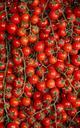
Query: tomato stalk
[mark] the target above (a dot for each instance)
(72, 31)
(68, 81)
(45, 8)
(6, 11)
(47, 108)
(51, 26)
(4, 81)
(44, 65)
(30, 28)
(63, 11)
(53, 32)
(69, 58)
(5, 72)
(73, 118)
(24, 68)
(55, 111)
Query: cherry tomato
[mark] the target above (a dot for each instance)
(11, 28)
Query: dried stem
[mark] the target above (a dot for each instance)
(50, 105)
(4, 82)
(6, 11)
(51, 26)
(44, 8)
(5, 72)
(55, 111)
(73, 118)
(24, 68)
(68, 81)
(68, 58)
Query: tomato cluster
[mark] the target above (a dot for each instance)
(39, 64)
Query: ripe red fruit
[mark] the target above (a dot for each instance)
(2, 26)
(15, 18)
(37, 104)
(26, 51)
(26, 101)
(67, 47)
(34, 19)
(41, 86)
(13, 113)
(14, 102)
(46, 121)
(39, 46)
(25, 17)
(11, 28)
(76, 45)
(11, 125)
(76, 60)
(50, 83)
(77, 75)
(33, 79)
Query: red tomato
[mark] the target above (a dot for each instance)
(26, 51)
(16, 43)
(15, 18)
(11, 28)
(13, 113)
(26, 101)
(60, 82)
(76, 45)
(46, 121)
(53, 15)
(67, 47)
(77, 75)
(33, 79)
(21, 31)
(11, 125)
(41, 86)
(2, 26)
(37, 104)
(14, 102)
(76, 60)
(39, 46)
(25, 17)
(50, 83)
(34, 19)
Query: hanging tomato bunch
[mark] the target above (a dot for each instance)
(39, 64)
